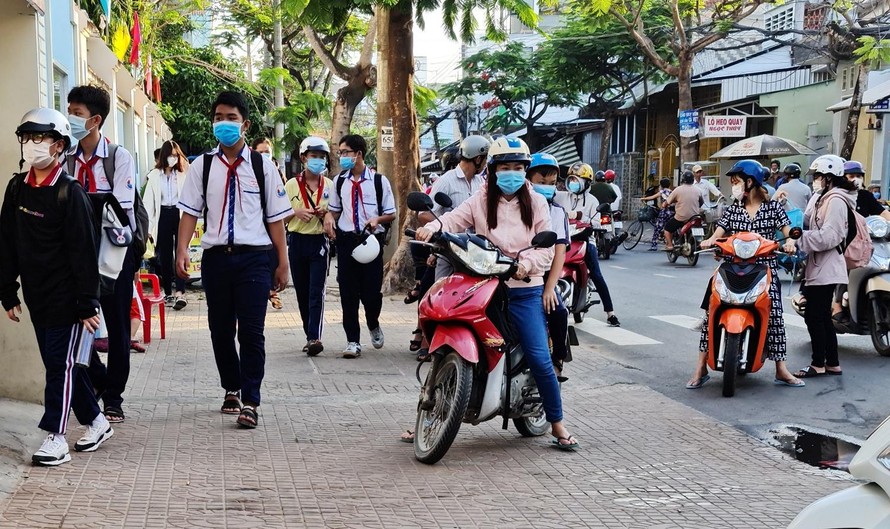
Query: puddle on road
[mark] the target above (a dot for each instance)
(819, 449)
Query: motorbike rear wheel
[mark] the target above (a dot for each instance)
(604, 248)
(732, 351)
(634, 235)
(532, 426)
(879, 323)
(437, 428)
(692, 258)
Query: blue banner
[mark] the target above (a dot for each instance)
(688, 123)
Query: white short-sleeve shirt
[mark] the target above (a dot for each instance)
(560, 221)
(124, 185)
(249, 219)
(341, 202)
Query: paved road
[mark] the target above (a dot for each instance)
(657, 302)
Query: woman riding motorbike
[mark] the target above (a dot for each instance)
(754, 212)
(493, 212)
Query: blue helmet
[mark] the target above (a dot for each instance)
(749, 169)
(543, 159)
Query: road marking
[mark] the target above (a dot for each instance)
(794, 320)
(618, 267)
(665, 275)
(680, 320)
(616, 335)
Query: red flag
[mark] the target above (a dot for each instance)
(136, 37)
(157, 89)
(149, 85)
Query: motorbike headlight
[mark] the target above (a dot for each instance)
(479, 260)
(878, 228)
(745, 249)
(743, 298)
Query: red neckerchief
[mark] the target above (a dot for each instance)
(357, 201)
(85, 175)
(50, 180)
(304, 191)
(232, 174)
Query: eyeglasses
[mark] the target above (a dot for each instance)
(345, 153)
(36, 137)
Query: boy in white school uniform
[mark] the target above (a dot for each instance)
(243, 203)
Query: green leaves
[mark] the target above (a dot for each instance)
(872, 51)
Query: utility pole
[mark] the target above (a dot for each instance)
(276, 59)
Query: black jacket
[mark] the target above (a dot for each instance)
(48, 240)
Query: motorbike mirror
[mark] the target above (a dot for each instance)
(795, 233)
(443, 200)
(418, 201)
(545, 239)
(603, 208)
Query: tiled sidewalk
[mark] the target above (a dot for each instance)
(327, 455)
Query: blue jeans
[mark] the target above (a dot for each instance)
(593, 265)
(237, 289)
(527, 312)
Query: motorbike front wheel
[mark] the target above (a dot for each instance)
(674, 254)
(732, 353)
(879, 323)
(436, 428)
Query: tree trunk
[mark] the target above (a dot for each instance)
(348, 99)
(395, 105)
(852, 130)
(688, 148)
(606, 139)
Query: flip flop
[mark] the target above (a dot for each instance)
(699, 383)
(808, 372)
(407, 437)
(570, 446)
(833, 373)
(780, 382)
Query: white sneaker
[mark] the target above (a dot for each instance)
(53, 451)
(377, 338)
(97, 433)
(353, 350)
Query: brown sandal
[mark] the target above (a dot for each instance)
(231, 403)
(249, 417)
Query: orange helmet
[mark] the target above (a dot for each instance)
(610, 175)
(581, 170)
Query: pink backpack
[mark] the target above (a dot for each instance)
(856, 247)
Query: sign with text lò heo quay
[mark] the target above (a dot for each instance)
(725, 126)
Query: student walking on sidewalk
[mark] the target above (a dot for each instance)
(103, 167)
(48, 240)
(308, 247)
(161, 197)
(243, 203)
(361, 198)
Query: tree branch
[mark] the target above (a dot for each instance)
(368, 44)
(325, 55)
(678, 23)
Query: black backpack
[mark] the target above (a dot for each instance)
(256, 161)
(140, 231)
(378, 190)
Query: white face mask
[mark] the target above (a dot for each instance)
(858, 182)
(738, 192)
(38, 154)
(817, 185)
(172, 160)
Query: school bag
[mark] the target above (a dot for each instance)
(140, 230)
(856, 246)
(378, 190)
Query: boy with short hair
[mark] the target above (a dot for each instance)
(48, 240)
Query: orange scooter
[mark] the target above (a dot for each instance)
(739, 306)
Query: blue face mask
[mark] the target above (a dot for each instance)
(347, 163)
(547, 191)
(227, 132)
(877, 195)
(575, 187)
(78, 127)
(510, 181)
(315, 165)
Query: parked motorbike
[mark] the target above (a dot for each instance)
(867, 505)
(687, 241)
(479, 370)
(739, 306)
(575, 285)
(868, 291)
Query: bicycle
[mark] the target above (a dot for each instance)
(647, 215)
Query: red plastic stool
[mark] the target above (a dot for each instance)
(155, 298)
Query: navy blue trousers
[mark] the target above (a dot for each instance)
(111, 381)
(593, 265)
(67, 386)
(237, 288)
(309, 256)
(359, 283)
(558, 325)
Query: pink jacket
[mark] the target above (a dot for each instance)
(511, 235)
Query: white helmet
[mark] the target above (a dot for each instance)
(828, 164)
(473, 146)
(367, 251)
(46, 120)
(314, 143)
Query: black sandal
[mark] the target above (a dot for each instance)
(414, 345)
(114, 414)
(249, 417)
(413, 294)
(231, 403)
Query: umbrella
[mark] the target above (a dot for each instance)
(763, 146)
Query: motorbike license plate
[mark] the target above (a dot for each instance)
(608, 228)
(618, 225)
(698, 232)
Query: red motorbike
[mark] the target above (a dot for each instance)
(687, 240)
(479, 370)
(575, 285)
